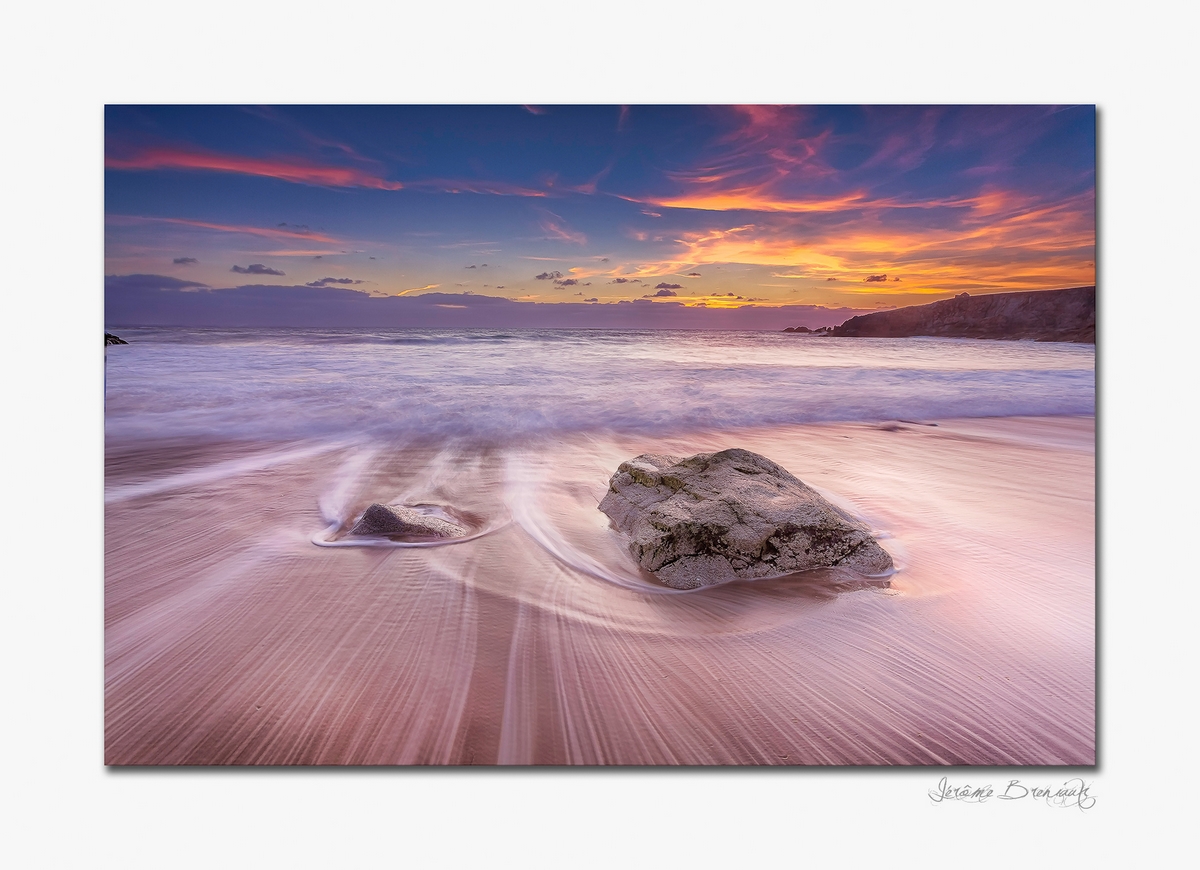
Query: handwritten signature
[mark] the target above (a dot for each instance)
(1072, 793)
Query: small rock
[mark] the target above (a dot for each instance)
(731, 515)
(109, 338)
(389, 520)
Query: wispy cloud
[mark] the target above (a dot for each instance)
(279, 117)
(759, 164)
(470, 243)
(185, 261)
(315, 253)
(589, 187)
(293, 169)
(557, 230)
(264, 232)
(907, 147)
(465, 185)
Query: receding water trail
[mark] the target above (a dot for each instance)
(335, 504)
(216, 472)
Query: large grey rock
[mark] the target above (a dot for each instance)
(386, 519)
(734, 514)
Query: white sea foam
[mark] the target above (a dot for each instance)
(508, 385)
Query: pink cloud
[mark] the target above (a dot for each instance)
(284, 168)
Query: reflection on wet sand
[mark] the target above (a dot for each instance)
(232, 639)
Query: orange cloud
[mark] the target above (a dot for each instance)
(759, 199)
(417, 289)
(994, 241)
(286, 169)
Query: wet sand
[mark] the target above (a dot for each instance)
(230, 638)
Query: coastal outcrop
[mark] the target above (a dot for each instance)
(1041, 315)
(731, 515)
(399, 521)
(109, 338)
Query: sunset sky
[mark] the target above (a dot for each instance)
(679, 207)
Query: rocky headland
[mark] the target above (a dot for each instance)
(1041, 315)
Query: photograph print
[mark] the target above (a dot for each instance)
(642, 435)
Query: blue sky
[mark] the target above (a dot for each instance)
(789, 208)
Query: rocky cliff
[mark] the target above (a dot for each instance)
(1042, 315)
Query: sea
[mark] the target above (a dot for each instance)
(509, 385)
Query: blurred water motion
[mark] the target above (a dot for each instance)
(231, 639)
(484, 385)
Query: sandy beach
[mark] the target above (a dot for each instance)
(232, 638)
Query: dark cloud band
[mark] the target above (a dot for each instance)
(325, 282)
